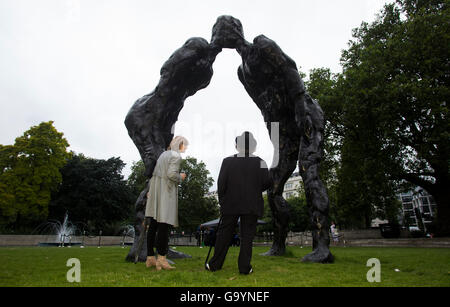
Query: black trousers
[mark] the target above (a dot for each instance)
(157, 236)
(224, 237)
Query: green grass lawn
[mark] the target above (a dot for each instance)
(46, 266)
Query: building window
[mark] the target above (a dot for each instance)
(407, 199)
(288, 186)
(408, 206)
(411, 218)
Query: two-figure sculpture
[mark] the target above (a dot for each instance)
(273, 82)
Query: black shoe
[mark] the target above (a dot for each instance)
(249, 272)
(207, 267)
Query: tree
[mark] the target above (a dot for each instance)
(396, 89)
(299, 217)
(299, 220)
(94, 192)
(267, 217)
(137, 179)
(357, 189)
(29, 173)
(193, 207)
(386, 113)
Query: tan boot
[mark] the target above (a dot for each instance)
(162, 263)
(151, 261)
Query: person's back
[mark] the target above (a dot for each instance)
(241, 184)
(242, 179)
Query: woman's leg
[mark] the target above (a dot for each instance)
(162, 246)
(162, 239)
(151, 235)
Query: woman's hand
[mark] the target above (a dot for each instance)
(183, 176)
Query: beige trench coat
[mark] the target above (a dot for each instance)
(162, 204)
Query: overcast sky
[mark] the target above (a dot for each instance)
(83, 63)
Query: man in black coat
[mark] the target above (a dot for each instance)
(242, 179)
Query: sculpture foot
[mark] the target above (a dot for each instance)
(275, 251)
(177, 255)
(319, 256)
(172, 254)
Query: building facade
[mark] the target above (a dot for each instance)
(292, 186)
(418, 207)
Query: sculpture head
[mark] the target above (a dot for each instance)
(227, 32)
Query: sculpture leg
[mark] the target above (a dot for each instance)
(310, 154)
(280, 213)
(278, 205)
(316, 198)
(138, 228)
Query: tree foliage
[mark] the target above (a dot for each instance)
(94, 192)
(396, 77)
(29, 173)
(299, 219)
(387, 111)
(137, 179)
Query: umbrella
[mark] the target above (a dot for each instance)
(215, 222)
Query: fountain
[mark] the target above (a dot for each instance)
(128, 232)
(58, 234)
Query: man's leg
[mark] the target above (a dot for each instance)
(248, 231)
(223, 240)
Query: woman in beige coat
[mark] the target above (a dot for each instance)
(161, 211)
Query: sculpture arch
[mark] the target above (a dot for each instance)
(273, 82)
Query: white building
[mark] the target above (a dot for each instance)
(292, 186)
(418, 205)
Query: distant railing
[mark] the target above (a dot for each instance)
(179, 239)
(296, 238)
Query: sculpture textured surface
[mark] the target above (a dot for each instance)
(151, 118)
(273, 82)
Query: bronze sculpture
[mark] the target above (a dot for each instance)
(272, 80)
